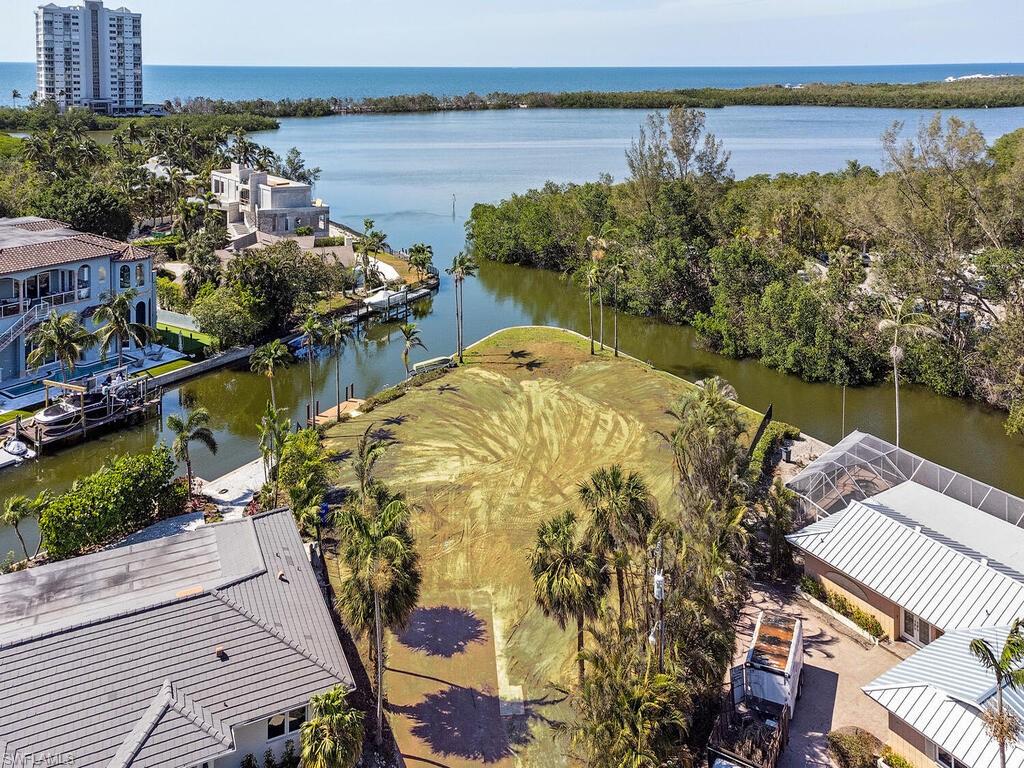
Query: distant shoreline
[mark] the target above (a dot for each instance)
(968, 92)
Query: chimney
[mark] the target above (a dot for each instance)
(221, 653)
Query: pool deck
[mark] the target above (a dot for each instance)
(29, 401)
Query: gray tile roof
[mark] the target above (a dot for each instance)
(122, 669)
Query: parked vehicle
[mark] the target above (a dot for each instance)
(752, 728)
(775, 659)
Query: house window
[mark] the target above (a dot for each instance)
(943, 757)
(126, 276)
(296, 718)
(140, 276)
(285, 723)
(83, 281)
(276, 727)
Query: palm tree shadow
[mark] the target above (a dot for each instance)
(397, 420)
(341, 456)
(531, 365)
(442, 631)
(518, 354)
(384, 434)
(446, 388)
(467, 723)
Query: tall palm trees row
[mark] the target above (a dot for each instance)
(571, 564)
(606, 263)
(659, 651)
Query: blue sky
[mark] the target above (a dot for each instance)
(560, 32)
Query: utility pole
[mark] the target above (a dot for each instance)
(659, 596)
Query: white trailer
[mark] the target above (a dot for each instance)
(771, 671)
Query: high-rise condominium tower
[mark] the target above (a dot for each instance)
(90, 56)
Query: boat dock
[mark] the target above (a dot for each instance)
(142, 402)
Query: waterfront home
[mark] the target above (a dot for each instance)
(938, 559)
(937, 699)
(256, 201)
(45, 265)
(192, 650)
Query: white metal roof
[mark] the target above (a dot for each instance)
(928, 574)
(957, 524)
(941, 692)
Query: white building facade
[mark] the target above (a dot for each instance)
(256, 201)
(89, 56)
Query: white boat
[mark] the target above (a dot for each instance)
(14, 451)
(432, 364)
(67, 409)
(385, 298)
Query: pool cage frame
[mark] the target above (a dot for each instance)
(861, 465)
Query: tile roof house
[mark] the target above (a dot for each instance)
(193, 649)
(938, 559)
(45, 265)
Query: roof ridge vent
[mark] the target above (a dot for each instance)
(917, 529)
(983, 561)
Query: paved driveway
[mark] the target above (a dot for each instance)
(836, 665)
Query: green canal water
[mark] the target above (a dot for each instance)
(959, 434)
(406, 171)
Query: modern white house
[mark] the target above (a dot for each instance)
(89, 56)
(257, 201)
(938, 559)
(45, 265)
(191, 650)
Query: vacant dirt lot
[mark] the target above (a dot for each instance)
(486, 453)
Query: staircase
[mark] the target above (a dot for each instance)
(23, 323)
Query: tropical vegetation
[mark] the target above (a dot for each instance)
(803, 272)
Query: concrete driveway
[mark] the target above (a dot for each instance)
(836, 664)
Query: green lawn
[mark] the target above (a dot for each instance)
(173, 365)
(485, 453)
(10, 416)
(198, 339)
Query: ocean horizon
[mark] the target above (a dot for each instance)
(163, 82)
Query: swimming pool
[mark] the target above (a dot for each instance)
(82, 371)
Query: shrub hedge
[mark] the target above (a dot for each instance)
(853, 747)
(840, 604)
(118, 499)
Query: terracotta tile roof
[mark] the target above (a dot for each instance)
(66, 245)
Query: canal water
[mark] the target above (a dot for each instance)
(404, 170)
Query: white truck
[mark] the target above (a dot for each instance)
(752, 728)
(771, 670)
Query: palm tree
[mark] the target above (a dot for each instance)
(62, 337)
(273, 429)
(383, 585)
(267, 359)
(1003, 725)
(615, 268)
(569, 576)
(116, 315)
(369, 449)
(312, 330)
(372, 242)
(463, 266)
(590, 273)
(412, 339)
(192, 429)
(622, 514)
(903, 320)
(421, 256)
(19, 508)
(15, 95)
(333, 736)
(336, 335)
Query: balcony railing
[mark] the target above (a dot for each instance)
(14, 307)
